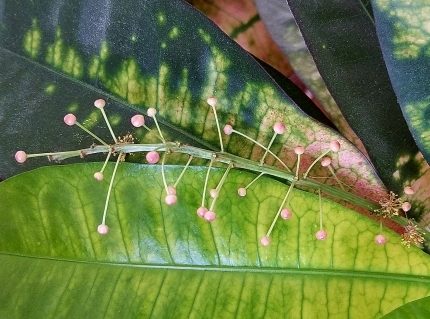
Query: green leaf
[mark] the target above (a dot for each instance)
(343, 42)
(412, 310)
(159, 260)
(403, 33)
(142, 62)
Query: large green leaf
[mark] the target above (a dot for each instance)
(69, 52)
(404, 35)
(59, 57)
(343, 42)
(162, 261)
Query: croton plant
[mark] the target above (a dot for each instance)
(152, 168)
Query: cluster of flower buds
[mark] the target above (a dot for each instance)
(121, 146)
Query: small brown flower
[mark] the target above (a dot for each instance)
(390, 206)
(412, 235)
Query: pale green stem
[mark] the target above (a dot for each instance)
(183, 171)
(254, 180)
(108, 125)
(267, 149)
(91, 133)
(320, 204)
(298, 165)
(239, 162)
(280, 208)
(221, 182)
(219, 129)
(334, 175)
(158, 128)
(263, 147)
(105, 163)
(110, 188)
(206, 180)
(162, 173)
(305, 175)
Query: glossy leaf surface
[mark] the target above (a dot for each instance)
(158, 260)
(343, 42)
(139, 60)
(404, 35)
(280, 22)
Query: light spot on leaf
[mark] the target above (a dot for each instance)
(73, 107)
(411, 21)
(161, 18)
(417, 114)
(93, 67)
(32, 40)
(115, 120)
(104, 51)
(64, 57)
(92, 119)
(50, 88)
(174, 33)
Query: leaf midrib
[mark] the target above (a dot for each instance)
(242, 269)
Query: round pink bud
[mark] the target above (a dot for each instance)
(98, 176)
(409, 190)
(212, 101)
(242, 191)
(138, 120)
(265, 241)
(325, 161)
(100, 103)
(335, 146)
(102, 229)
(209, 216)
(214, 193)
(70, 119)
(380, 239)
(152, 157)
(201, 211)
(171, 199)
(299, 150)
(20, 156)
(286, 213)
(321, 234)
(406, 206)
(228, 129)
(279, 128)
(151, 112)
(171, 190)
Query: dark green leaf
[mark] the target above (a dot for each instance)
(342, 40)
(404, 35)
(277, 16)
(412, 310)
(297, 95)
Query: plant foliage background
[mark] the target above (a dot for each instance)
(158, 261)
